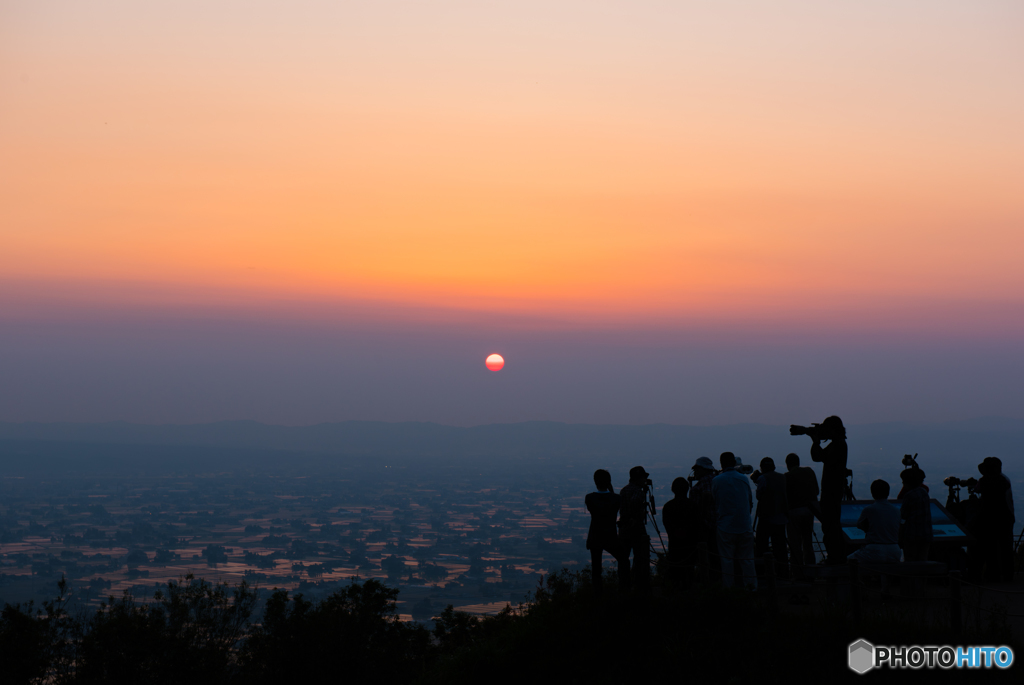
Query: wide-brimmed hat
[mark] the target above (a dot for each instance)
(704, 463)
(990, 465)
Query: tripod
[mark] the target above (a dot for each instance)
(848, 487)
(650, 512)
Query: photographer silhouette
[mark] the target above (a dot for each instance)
(994, 525)
(832, 457)
(700, 493)
(633, 535)
(603, 505)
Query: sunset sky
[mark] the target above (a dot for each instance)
(691, 212)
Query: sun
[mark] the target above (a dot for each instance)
(495, 362)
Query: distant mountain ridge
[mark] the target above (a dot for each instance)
(411, 440)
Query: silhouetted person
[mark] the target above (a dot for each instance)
(907, 488)
(772, 505)
(832, 458)
(734, 504)
(880, 522)
(916, 516)
(802, 494)
(682, 525)
(633, 529)
(994, 525)
(700, 494)
(603, 505)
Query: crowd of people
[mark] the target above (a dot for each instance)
(737, 517)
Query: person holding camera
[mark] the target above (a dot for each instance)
(910, 462)
(603, 505)
(700, 494)
(880, 522)
(772, 505)
(633, 527)
(802, 495)
(734, 505)
(994, 526)
(915, 515)
(832, 458)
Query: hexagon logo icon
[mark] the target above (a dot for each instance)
(862, 656)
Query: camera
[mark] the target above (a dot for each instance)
(953, 501)
(910, 462)
(745, 469)
(814, 431)
(819, 431)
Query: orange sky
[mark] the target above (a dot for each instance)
(594, 160)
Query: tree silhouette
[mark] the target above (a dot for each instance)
(354, 633)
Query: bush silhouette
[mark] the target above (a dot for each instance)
(354, 633)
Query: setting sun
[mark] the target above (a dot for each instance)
(495, 362)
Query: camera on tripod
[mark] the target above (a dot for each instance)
(954, 482)
(910, 462)
(953, 499)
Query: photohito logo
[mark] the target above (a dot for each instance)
(863, 656)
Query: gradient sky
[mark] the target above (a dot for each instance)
(692, 212)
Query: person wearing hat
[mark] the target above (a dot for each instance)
(603, 505)
(832, 457)
(994, 526)
(915, 516)
(633, 527)
(707, 517)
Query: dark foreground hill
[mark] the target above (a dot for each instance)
(197, 633)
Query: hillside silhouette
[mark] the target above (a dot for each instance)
(198, 632)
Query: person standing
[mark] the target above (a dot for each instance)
(700, 494)
(680, 518)
(603, 505)
(772, 505)
(802, 495)
(915, 516)
(734, 505)
(832, 457)
(633, 527)
(995, 519)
